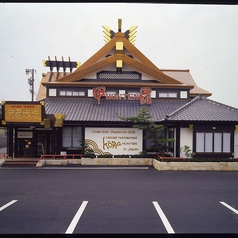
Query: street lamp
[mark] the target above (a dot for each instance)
(31, 82)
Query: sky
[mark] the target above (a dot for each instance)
(201, 38)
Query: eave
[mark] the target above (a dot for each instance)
(115, 84)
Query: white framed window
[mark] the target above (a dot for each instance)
(122, 92)
(75, 93)
(52, 92)
(90, 93)
(163, 95)
(172, 95)
(209, 142)
(167, 94)
(218, 142)
(81, 93)
(200, 142)
(153, 94)
(71, 93)
(226, 142)
(62, 92)
(183, 94)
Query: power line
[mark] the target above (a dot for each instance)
(13, 56)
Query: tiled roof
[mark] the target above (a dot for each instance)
(203, 109)
(90, 110)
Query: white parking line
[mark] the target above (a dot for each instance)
(7, 205)
(76, 218)
(229, 207)
(163, 218)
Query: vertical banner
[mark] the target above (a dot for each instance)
(114, 140)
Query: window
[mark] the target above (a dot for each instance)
(122, 91)
(71, 93)
(183, 94)
(71, 136)
(52, 92)
(153, 94)
(90, 93)
(62, 93)
(209, 142)
(167, 95)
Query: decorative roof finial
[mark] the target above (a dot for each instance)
(119, 25)
(130, 34)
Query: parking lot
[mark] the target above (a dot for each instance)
(122, 200)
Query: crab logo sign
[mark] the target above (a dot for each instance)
(144, 96)
(99, 92)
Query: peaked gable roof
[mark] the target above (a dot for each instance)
(98, 61)
(203, 109)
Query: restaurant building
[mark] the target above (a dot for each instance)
(117, 79)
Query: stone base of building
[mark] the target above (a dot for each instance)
(200, 166)
(117, 161)
(57, 162)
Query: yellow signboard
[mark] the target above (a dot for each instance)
(22, 112)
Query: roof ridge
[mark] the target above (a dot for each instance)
(176, 70)
(222, 104)
(183, 107)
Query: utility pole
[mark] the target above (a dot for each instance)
(31, 82)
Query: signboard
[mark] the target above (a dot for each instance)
(144, 97)
(114, 140)
(25, 134)
(22, 112)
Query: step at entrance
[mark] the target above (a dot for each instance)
(20, 162)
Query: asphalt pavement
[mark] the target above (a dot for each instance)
(107, 200)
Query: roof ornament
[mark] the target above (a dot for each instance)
(129, 34)
(60, 64)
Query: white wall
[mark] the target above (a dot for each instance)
(186, 138)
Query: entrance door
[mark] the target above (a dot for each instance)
(25, 147)
(44, 143)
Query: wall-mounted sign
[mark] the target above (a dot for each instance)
(114, 140)
(22, 112)
(144, 97)
(25, 134)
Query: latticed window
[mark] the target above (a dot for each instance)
(71, 136)
(121, 76)
(209, 142)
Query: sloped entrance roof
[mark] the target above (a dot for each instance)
(203, 109)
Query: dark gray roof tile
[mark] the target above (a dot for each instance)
(90, 110)
(203, 109)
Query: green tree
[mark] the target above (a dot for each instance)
(143, 121)
(87, 150)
